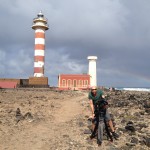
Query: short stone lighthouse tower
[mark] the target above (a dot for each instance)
(39, 25)
(92, 70)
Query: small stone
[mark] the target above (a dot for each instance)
(89, 148)
(81, 124)
(130, 122)
(134, 140)
(147, 142)
(130, 144)
(65, 136)
(87, 132)
(124, 148)
(130, 128)
(147, 110)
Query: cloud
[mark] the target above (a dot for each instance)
(16, 64)
(116, 31)
(60, 63)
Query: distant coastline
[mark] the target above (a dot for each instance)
(133, 89)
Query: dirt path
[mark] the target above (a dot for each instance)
(58, 120)
(69, 109)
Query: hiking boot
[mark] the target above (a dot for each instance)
(92, 136)
(99, 142)
(115, 135)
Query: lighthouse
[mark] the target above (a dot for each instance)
(40, 26)
(92, 70)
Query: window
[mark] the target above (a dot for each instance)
(63, 82)
(74, 83)
(69, 84)
(85, 83)
(80, 83)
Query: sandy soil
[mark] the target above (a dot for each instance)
(51, 125)
(49, 120)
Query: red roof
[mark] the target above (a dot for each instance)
(8, 84)
(74, 75)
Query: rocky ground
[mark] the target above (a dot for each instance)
(42, 119)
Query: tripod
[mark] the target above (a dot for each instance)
(101, 124)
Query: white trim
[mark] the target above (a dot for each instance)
(39, 64)
(38, 75)
(39, 53)
(59, 80)
(40, 41)
(40, 30)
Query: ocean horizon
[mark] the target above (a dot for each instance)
(147, 89)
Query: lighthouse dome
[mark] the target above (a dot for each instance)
(40, 14)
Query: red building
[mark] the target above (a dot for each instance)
(9, 83)
(73, 81)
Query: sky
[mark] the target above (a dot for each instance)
(116, 31)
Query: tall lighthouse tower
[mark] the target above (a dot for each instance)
(40, 26)
(92, 70)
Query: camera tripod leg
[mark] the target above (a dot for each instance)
(100, 133)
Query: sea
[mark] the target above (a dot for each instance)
(133, 89)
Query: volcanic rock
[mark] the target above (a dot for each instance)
(58, 120)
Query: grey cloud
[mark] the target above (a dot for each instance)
(116, 31)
